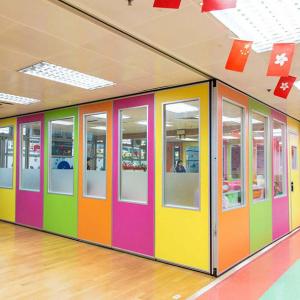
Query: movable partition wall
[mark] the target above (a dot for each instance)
(61, 171)
(95, 172)
(182, 226)
(8, 169)
(294, 173)
(30, 168)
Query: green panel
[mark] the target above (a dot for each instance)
(60, 211)
(260, 212)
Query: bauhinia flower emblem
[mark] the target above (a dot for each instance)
(284, 86)
(281, 59)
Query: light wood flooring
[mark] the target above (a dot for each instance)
(37, 265)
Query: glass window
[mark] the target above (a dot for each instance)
(30, 156)
(181, 159)
(95, 156)
(278, 159)
(134, 155)
(61, 160)
(259, 125)
(294, 157)
(6, 157)
(233, 145)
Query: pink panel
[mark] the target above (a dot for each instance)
(280, 205)
(29, 205)
(133, 224)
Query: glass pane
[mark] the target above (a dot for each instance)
(278, 159)
(31, 156)
(181, 146)
(6, 157)
(61, 164)
(233, 187)
(134, 155)
(259, 156)
(95, 156)
(294, 158)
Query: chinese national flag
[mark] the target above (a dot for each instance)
(209, 5)
(238, 55)
(284, 86)
(166, 3)
(281, 59)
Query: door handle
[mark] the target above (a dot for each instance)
(292, 186)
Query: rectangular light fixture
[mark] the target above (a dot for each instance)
(99, 127)
(264, 22)
(17, 99)
(4, 130)
(99, 116)
(62, 122)
(145, 123)
(67, 76)
(180, 108)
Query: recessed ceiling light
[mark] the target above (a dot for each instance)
(145, 123)
(17, 99)
(67, 76)
(263, 22)
(228, 119)
(100, 116)
(99, 127)
(297, 84)
(4, 130)
(62, 122)
(180, 108)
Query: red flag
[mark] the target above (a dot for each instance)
(284, 86)
(281, 59)
(238, 55)
(209, 5)
(167, 3)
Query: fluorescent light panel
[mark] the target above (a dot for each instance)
(67, 76)
(264, 22)
(17, 99)
(62, 122)
(180, 108)
(99, 127)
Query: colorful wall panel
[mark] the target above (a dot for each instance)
(280, 205)
(94, 215)
(30, 170)
(294, 172)
(8, 195)
(260, 210)
(182, 233)
(61, 190)
(133, 193)
(233, 240)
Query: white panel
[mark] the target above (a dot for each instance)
(6, 177)
(30, 179)
(96, 183)
(61, 181)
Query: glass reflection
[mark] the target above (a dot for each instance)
(181, 146)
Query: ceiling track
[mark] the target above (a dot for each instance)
(100, 22)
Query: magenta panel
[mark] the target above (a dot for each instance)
(133, 224)
(280, 205)
(29, 205)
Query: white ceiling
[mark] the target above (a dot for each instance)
(35, 30)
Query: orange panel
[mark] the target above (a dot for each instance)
(233, 225)
(94, 215)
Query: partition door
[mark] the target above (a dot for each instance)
(8, 169)
(30, 167)
(133, 174)
(95, 172)
(294, 177)
(182, 225)
(280, 203)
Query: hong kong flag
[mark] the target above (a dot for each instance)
(167, 3)
(210, 5)
(281, 59)
(238, 55)
(284, 86)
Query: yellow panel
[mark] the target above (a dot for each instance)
(182, 235)
(294, 175)
(8, 196)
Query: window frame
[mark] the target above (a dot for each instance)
(267, 144)
(284, 153)
(13, 156)
(120, 147)
(21, 156)
(164, 154)
(84, 193)
(243, 152)
(50, 153)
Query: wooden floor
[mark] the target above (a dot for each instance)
(37, 265)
